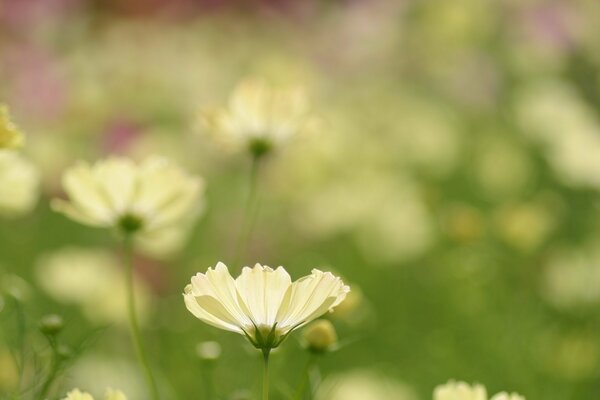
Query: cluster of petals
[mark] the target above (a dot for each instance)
(259, 113)
(111, 394)
(463, 391)
(262, 303)
(151, 196)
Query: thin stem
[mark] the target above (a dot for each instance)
(133, 320)
(54, 368)
(21, 327)
(265, 388)
(250, 211)
(207, 373)
(305, 378)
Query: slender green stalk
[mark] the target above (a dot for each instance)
(21, 327)
(133, 320)
(305, 378)
(250, 211)
(207, 374)
(54, 368)
(265, 388)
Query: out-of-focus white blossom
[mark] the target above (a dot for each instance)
(571, 278)
(364, 385)
(135, 198)
(91, 279)
(554, 115)
(259, 117)
(463, 391)
(95, 372)
(19, 184)
(111, 394)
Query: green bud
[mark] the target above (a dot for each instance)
(51, 324)
(208, 351)
(320, 336)
(64, 352)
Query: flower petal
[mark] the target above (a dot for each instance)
(309, 298)
(263, 289)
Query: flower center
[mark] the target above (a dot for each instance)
(259, 146)
(266, 337)
(130, 223)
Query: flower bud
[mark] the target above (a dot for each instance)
(208, 351)
(51, 324)
(320, 336)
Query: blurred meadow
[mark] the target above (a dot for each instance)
(449, 173)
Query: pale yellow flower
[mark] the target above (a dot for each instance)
(10, 136)
(19, 184)
(463, 391)
(259, 117)
(144, 198)
(111, 394)
(364, 385)
(459, 391)
(263, 304)
(507, 396)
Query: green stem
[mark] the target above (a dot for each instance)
(265, 388)
(305, 378)
(54, 368)
(133, 320)
(207, 374)
(250, 212)
(21, 326)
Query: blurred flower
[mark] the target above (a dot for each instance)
(389, 219)
(10, 136)
(556, 116)
(502, 167)
(96, 372)
(575, 355)
(459, 391)
(143, 198)
(19, 184)
(526, 226)
(91, 279)
(571, 278)
(463, 391)
(363, 385)
(463, 223)
(320, 336)
(111, 394)
(208, 351)
(262, 304)
(15, 287)
(259, 117)
(353, 308)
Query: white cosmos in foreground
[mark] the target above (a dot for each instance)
(263, 304)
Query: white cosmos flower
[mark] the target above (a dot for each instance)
(148, 197)
(463, 391)
(459, 391)
(19, 184)
(259, 116)
(263, 304)
(10, 136)
(111, 394)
